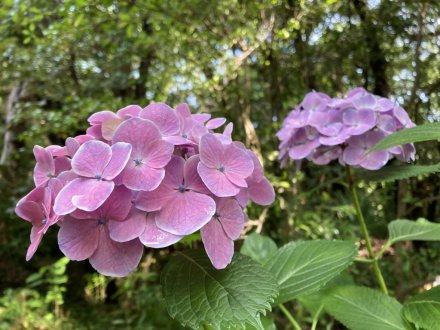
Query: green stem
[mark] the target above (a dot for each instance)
(364, 230)
(316, 318)
(289, 317)
(363, 260)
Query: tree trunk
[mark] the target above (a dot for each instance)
(10, 113)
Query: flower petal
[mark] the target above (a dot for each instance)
(191, 176)
(140, 133)
(155, 237)
(45, 167)
(218, 246)
(185, 212)
(262, 192)
(216, 181)
(163, 116)
(36, 237)
(215, 123)
(231, 216)
(132, 227)
(113, 258)
(78, 239)
(159, 154)
(94, 193)
(142, 178)
(120, 155)
(211, 151)
(91, 159)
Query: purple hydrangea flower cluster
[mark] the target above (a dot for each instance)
(322, 129)
(143, 177)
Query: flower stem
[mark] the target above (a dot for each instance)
(364, 230)
(289, 317)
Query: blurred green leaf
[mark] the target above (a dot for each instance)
(258, 247)
(421, 133)
(360, 308)
(410, 230)
(303, 268)
(423, 310)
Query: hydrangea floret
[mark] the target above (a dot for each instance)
(322, 129)
(144, 177)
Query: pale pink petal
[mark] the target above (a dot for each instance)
(159, 154)
(78, 238)
(261, 192)
(91, 159)
(154, 237)
(231, 216)
(218, 246)
(94, 193)
(243, 197)
(150, 201)
(113, 258)
(192, 177)
(29, 211)
(201, 117)
(109, 127)
(140, 133)
(118, 204)
(217, 182)
(95, 131)
(101, 116)
(56, 151)
(237, 162)
(120, 155)
(163, 116)
(45, 168)
(132, 227)
(178, 140)
(183, 110)
(211, 151)
(228, 130)
(129, 111)
(185, 213)
(62, 164)
(87, 193)
(36, 237)
(72, 146)
(142, 178)
(215, 123)
(174, 172)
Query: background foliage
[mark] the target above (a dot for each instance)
(250, 61)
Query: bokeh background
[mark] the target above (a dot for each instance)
(249, 61)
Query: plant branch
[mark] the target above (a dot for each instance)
(290, 317)
(364, 230)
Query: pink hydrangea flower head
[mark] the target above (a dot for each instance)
(323, 129)
(145, 177)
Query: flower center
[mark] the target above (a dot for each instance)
(182, 188)
(98, 177)
(137, 162)
(216, 215)
(221, 168)
(101, 221)
(184, 136)
(43, 221)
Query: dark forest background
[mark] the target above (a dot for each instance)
(249, 61)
